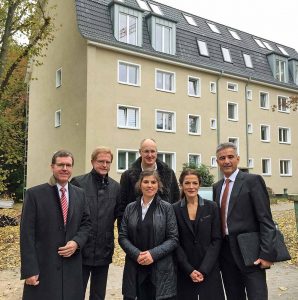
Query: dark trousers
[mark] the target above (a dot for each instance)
(239, 284)
(98, 281)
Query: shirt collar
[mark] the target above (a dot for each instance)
(233, 176)
(60, 186)
(146, 205)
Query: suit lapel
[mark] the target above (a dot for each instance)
(218, 191)
(235, 191)
(71, 203)
(184, 212)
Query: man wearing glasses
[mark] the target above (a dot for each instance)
(102, 193)
(54, 227)
(148, 161)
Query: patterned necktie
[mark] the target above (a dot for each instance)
(64, 204)
(223, 207)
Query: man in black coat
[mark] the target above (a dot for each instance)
(148, 161)
(103, 196)
(54, 228)
(247, 209)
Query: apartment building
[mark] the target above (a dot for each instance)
(120, 71)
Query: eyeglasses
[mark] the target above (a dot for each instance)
(103, 162)
(62, 166)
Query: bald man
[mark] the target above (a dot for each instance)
(148, 161)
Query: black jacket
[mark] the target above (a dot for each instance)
(130, 177)
(103, 204)
(165, 242)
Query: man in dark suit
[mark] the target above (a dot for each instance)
(54, 228)
(245, 207)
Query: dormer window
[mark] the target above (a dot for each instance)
(293, 66)
(280, 70)
(234, 34)
(203, 48)
(127, 29)
(226, 54)
(279, 66)
(213, 27)
(155, 8)
(190, 20)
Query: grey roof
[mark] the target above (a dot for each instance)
(94, 21)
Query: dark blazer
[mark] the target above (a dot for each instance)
(248, 211)
(42, 233)
(199, 250)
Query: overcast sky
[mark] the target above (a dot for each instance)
(275, 21)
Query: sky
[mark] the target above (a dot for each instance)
(263, 18)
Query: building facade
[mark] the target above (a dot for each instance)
(120, 71)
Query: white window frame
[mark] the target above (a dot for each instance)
(197, 81)
(203, 48)
(190, 20)
(267, 100)
(126, 151)
(226, 54)
(212, 87)
(248, 61)
(164, 73)
(250, 163)
(127, 28)
(235, 141)
(282, 168)
(213, 27)
(58, 77)
(234, 34)
(267, 140)
(213, 123)
(163, 38)
(281, 69)
(282, 108)
(138, 116)
(235, 105)
(57, 118)
(249, 95)
(213, 162)
(231, 86)
(249, 128)
(128, 65)
(173, 159)
(173, 122)
(281, 135)
(269, 166)
(198, 132)
(198, 156)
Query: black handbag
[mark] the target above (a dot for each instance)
(249, 244)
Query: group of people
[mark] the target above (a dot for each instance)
(177, 244)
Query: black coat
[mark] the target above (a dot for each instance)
(249, 211)
(130, 177)
(103, 205)
(199, 250)
(42, 233)
(165, 235)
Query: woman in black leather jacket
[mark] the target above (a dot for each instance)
(149, 235)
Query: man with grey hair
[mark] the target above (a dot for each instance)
(148, 161)
(244, 207)
(103, 196)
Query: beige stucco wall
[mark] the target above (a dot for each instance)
(67, 51)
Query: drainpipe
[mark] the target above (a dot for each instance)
(246, 121)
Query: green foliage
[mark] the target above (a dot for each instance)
(204, 171)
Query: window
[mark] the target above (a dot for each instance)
(267, 45)
(165, 81)
(232, 87)
(143, 5)
(264, 100)
(249, 94)
(194, 87)
(266, 166)
(194, 159)
(234, 34)
(125, 158)
(285, 167)
(282, 50)
(213, 162)
(213, 123)
(128, 117)
(265, 133)
(163, 38)
(169, 158)
(58, 118)
(282, 104)
(280, 70)
(212, 87)
(58, 77)
(250, 163)
(165, 121)
(128, 73)
(226, 54)
(260, 43)
(247, 60)
(203, 49)
(284, 135)
(213, 27)
(128, 29)
(190, 20)
(155, 8)
(194, 124)
(235, 141)
(232, 111)
(249, 128)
